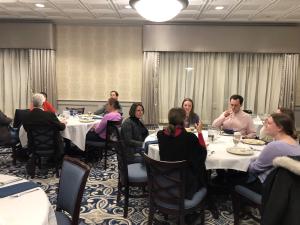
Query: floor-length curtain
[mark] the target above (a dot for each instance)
(290, 72)
(150, 87)
(42, 73)
(15, 90)
(211, 78)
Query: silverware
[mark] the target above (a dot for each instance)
(24, 192)
(254, 149)
(10, 181)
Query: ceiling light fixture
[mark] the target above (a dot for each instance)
(39, 5)
(158, 10)
(219, 7)
(128, 7)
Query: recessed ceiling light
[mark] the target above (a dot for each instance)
(219, 7)
(39, 5)
(128, 7)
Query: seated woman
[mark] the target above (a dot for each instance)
(98, 133)
(282, 129)
(5, 135)
(176, 144)
(191, 118)
(134, 132)
(262, 132)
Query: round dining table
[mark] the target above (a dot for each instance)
(75, 131)
(30, 207)
(217, 155)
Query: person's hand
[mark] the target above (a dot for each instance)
(227, 112)
(199, 127)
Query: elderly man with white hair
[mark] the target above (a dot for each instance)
(38, 116)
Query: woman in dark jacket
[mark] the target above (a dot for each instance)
(5, 136)
(134, 132)
(176, 144)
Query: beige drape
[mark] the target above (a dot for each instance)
(42, 73)
(15, 90)
(150, 87)
(288, 84)
(214, 77)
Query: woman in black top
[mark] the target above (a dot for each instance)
(176, 144)
(5, 135)
(134, 132)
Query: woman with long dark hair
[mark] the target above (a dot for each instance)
(281, 128)
(176, 144)
(134, 132)
(191, 118)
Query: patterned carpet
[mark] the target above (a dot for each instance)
(99, 200)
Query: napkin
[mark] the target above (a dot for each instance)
(17, 188)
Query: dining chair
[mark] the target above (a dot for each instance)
(74, 174)
(244, 196)
(166, 185)
(79, 110)
(106, 147)
(43, 144)
(129, 175)
(20, 115)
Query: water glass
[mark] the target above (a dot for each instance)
(211, 134)
(236, 138)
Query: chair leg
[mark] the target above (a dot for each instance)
(14, 155)
(105, 158)
(202, 216)
(236, 208)
(181, 220)
(151, 214)
(126, 202)
(119, 192)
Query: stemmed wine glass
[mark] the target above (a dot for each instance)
(236, 138)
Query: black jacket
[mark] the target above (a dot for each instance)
(281, 193)
(40, 117)
(133, 133)
(185, 146)
(4, 130)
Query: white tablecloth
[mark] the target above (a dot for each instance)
(31, 208)
(217, 156)
(75, 131)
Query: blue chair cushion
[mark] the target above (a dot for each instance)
(62, 219)
(137, 173)
(188, 203)
(246, 192)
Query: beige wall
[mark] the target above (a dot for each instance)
(92, 60)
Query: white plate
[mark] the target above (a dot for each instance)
(239, 151)
(253, 142)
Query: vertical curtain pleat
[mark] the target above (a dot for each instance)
(42, 73)
(15, 88)
(290, 71)
(150, 87)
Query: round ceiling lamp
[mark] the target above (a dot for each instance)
(158, 10)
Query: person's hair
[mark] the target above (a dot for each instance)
(237, 97)
(44, 93)
(191, 101)
(117, 94)
(114, 103)
(133, 108)
(286, 123)
(38, 100)
(176, 117)
(288, 112)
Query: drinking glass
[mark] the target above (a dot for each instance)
(236, 138)
(211, 134)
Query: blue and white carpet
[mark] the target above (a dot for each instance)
(99, 200)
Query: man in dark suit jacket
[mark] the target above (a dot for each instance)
(40, 117)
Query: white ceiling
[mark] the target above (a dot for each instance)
(114, 11)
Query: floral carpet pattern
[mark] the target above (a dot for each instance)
(99, 205)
